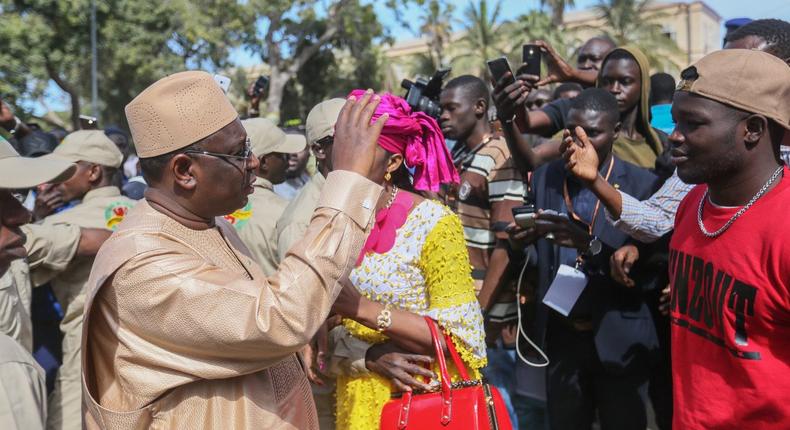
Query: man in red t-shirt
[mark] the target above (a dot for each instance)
(730, 254)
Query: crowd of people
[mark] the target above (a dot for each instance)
(598, 244)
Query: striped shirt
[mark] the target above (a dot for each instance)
(490, 187)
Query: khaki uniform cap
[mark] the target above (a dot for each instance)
(322, 118)
(177, 111)
(266, 137)
(746, 79)
(92, 146)
(18, 172)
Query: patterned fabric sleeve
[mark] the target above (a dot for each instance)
(445, 265)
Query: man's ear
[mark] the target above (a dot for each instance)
(182, 168)
(756, 128)
(318, 151)
(95, 173)
(481, 108)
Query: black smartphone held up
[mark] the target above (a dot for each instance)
(524, 216)
(260, 85)
(531, 57)
(499, 67)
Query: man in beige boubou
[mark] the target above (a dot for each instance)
(101, 207)
(256, 221)
(182, 328)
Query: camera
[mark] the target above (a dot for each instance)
(423, 95)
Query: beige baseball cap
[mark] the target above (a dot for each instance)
(322, 118)
(266, 137)
(177, 111)
(92, 146)
(746, 79)
(17, 172)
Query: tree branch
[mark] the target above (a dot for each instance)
(331, 30)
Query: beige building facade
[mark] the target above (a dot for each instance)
(694, 26)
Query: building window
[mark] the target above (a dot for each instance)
(669, 33)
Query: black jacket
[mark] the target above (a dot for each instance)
(625, 334)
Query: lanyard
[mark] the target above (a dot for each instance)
(569, 204)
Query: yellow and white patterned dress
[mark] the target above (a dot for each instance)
(426, 272)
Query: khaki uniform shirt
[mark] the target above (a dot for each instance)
(183, 331)
(49, 247)
(100, 208)
(256, 224)
(296, 217)
(23, 392)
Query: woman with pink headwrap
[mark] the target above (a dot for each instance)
(414, 264)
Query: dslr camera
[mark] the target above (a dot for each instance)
(423, 95)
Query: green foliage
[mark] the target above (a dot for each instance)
(482, 39)
(630, 22)
(139, 41)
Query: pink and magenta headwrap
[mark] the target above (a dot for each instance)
(418, 138)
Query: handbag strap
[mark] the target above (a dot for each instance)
(459, 364)
(447, 396)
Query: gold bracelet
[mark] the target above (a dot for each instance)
(384, 320)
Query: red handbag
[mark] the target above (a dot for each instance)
(467, 404)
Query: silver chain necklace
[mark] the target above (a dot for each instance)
(738, 214)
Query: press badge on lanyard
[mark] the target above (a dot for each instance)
(565, 290)
(570, 282)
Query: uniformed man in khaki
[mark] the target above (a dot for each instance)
(256, 221)
(102, 206)
(320, 127)
(22, 388)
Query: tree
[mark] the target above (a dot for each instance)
(436, 26)
(632, 22)
(537, 25)
(289, 38)
(557, 8)
(482, 39)
(139, 41)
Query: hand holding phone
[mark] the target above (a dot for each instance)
(524, 216)
(499, 68)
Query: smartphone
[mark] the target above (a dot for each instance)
(499, 67)
(524, 216)
(88, 122)
(223, 82)
(531, 57)
(260, 85)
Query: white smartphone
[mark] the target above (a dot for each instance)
(223, 82)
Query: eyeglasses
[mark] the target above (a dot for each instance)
(326, 140)
(242, 156)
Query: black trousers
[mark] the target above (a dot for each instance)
(578, 386)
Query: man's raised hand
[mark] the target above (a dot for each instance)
(580, 156)
(356, 138)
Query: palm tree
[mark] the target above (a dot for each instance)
(437, 28)
(557, 9)
(632, 22)
(539, 25)
(482, 39)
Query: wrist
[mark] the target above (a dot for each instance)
(595, 182)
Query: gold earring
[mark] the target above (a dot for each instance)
(387, 176)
